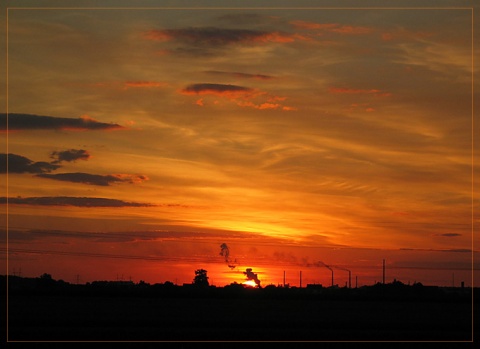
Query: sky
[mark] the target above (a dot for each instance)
(144, 143)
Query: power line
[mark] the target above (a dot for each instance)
(104, 255)
(208, 259)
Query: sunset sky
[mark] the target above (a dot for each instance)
(142, 139)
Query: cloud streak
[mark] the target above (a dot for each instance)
(21, 164)
(332, 28)
(219, 37)
(353, 91)
(240, 95)
(144, 84)
(17, 122)
(71, 201)
(240, 75)
(449, 235)
(232, 91)
(93, 179)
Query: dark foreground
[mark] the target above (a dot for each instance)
(160, 319)
(106, 312)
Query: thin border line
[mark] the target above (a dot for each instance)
(247, 8)
(7, 192)
(473, 172)
(240, 8)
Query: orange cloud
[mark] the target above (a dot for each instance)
(240, 95)
(343, 90)
(146, 84)
(261, 106)
(332, 27)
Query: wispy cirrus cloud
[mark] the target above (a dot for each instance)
(332, 27)
(402, 34)
(126, 85)
(17, 122)
(94, 179)
(240, 75)
(21, 164)
(144, 84)
(343, 90)
(69, 155)
(71, 201)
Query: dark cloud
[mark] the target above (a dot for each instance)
(21, 164)
(449, 235)
(462, 250)
(71, 201)
(69, 155)
(206, 88)
(93, 179)
(40, 122)
(240, 75)
(218, 37)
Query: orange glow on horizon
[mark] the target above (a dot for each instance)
(250, 283)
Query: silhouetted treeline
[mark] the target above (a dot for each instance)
(46, 285)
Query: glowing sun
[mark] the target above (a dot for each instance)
(250, 283)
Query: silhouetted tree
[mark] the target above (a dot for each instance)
(201, 278)
(46, 276)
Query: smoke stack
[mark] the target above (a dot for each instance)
(284, 278)
(326, 266)
(300, 279)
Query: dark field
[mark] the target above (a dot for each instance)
(93, 318)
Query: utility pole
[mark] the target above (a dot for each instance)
(384, 271)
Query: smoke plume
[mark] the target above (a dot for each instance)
(252, 276)
(225, 252)
(321, 264)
